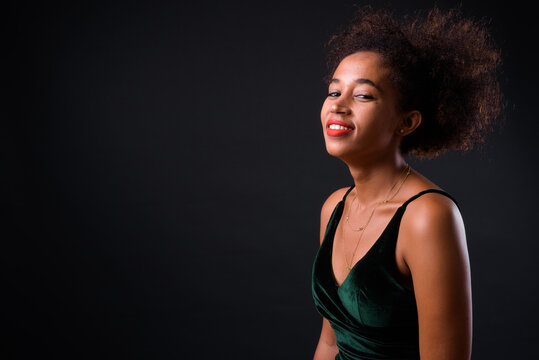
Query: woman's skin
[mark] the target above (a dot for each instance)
(431, 252)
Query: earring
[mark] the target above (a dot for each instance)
(401, 131)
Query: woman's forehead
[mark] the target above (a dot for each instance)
(366, 66)
(365, 62)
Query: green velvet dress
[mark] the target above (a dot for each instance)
(373, 315)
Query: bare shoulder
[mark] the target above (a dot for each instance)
(432, 227)
(329, 206)
(334, 199)
(431, 211)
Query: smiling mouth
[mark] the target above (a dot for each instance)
(337, 124)
(339, 127)
(336, 130)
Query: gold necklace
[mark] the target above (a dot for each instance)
(406, 171)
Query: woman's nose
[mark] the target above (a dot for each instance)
(339, 108)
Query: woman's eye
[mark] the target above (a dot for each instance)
(334, 94)
(365, 97)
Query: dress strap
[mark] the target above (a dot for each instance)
(347, 192)
(429, 191)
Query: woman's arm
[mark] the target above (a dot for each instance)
(327, 345)
(434, 248)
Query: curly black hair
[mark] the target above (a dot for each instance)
(443, 64)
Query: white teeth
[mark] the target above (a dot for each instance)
(338, 127)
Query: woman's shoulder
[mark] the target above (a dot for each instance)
(423, 195)
(427, 208)
(433, 214)
(334, 198)
(329, 205)
(431, 206)
(331, 202)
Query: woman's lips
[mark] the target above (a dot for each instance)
(338, 128)
(337, 132)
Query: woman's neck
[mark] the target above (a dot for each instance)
(374, 180)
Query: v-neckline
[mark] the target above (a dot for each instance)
(334, 230)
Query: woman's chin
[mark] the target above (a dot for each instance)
(340, 152)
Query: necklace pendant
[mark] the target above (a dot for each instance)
(361, 228)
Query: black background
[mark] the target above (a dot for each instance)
(164, 169)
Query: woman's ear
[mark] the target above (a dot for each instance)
(409, 123)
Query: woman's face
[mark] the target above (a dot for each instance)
(359, 116)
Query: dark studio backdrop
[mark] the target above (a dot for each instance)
(163, 170)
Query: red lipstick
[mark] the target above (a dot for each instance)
(338, 132)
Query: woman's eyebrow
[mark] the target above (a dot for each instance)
(367, 81)
(359, 81)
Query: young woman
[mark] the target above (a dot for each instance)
(392, 275)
